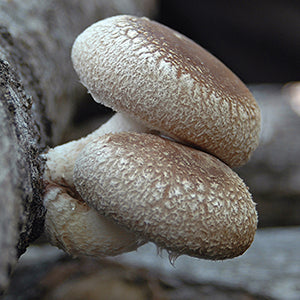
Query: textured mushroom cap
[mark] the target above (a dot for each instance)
(169, 83)
(182, 199)
(79, 230)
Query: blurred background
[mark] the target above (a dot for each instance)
(260, 41)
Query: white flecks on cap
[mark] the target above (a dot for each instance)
(171, 84)
(182, 199)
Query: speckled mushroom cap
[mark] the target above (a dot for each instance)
(182, 199)
(169, 83)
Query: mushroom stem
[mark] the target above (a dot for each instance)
(61, 159)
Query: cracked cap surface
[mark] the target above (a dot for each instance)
(182, 199)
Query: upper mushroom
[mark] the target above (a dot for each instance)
(168, 83)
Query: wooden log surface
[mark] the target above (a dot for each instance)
(38, 93)
(270, 269)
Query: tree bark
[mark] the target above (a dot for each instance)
(38, 92)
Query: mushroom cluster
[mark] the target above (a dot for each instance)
(160, 169)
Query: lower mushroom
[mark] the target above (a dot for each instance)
(182, 199)
(128, 188)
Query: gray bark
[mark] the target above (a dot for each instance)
(38, 92)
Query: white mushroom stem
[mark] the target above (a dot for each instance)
(70, 224)
(61, 159)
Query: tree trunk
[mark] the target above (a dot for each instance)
(38, 92)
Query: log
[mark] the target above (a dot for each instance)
(270, 269)
(38, 91)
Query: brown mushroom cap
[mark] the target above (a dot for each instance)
(182, 199)
(170, 84)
